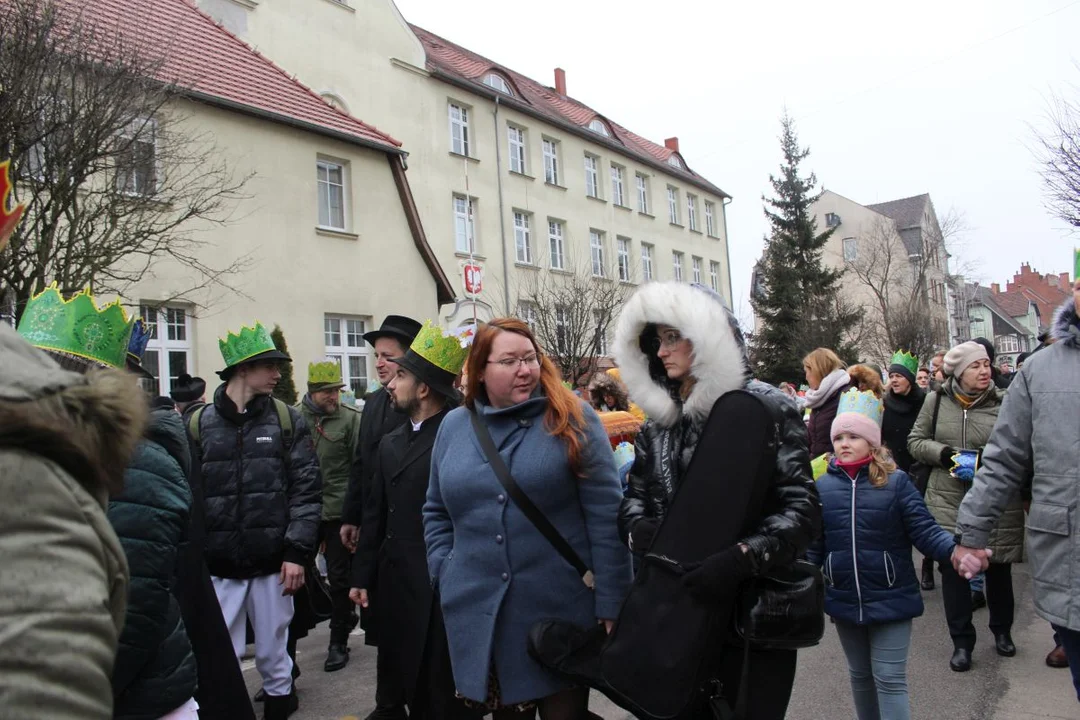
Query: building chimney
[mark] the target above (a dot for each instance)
(672, 144)
(1064, 277)
(560, 81)
(995, 288)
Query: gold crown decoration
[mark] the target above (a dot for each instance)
(324, 372)
(77, 326)
(249, 342)
(907, 360)
(8, 219)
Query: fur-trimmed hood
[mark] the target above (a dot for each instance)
(88, 424)
(603, 385)
(719, 360)
(1066, 324)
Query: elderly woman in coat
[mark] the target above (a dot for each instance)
(960, 417)
(496, 574)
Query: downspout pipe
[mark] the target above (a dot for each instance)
(502, 214)
(727, 250)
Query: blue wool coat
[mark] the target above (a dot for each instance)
(496, 574)
(865, 553)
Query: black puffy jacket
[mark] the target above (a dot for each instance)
(155, 669)
(263, 504)
(665, 445)
(900, 414)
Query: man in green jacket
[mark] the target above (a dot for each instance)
(335, 431)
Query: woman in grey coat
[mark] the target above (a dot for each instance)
(496, 574)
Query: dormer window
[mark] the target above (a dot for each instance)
(598, 127)
(674, 161)
(498, 82)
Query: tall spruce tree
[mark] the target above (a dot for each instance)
(286, 388)
(796, 297)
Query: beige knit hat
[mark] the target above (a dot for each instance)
(959, 357)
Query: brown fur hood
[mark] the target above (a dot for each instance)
(88, 424)
(604, 384)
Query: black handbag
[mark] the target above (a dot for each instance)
(920, 471)
(784, 609)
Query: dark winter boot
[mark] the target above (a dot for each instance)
(927, 574)
(978, 599)
(280, 707)
(337, 657)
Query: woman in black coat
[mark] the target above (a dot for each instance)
(828, 380)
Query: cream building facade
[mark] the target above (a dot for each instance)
(509, 174)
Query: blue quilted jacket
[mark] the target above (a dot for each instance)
(865, 552)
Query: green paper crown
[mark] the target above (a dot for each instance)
(903, 357)
(446, 351)
(251, 341)
(326, 372)
(77, 326)
(1076, 264)
(862, 402)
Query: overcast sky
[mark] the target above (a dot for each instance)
(893, 99)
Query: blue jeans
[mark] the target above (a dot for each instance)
(1070, 640)
(877, 661)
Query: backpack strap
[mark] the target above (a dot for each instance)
(285, 420)
(193, 426)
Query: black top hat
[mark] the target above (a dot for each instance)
(187, 388)
(133, 365)
(403, 328)
(439, 380)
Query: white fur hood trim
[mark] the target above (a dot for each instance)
(719, 361)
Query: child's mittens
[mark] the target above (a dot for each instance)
(819, 465)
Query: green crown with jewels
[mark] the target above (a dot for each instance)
(326, 372)
(903, 357)
(249, 342)
(445, 350)
(77, 326)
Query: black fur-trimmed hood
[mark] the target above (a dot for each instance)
(719, 361)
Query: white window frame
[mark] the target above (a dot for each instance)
(674, 161)
(458, 115)
(714, 275)
(129, 179)
(642, 183)
(557, 244)
(592, 176)
(601, 346)
(596, 253)
(551, 161)
(562, 328)
(618, 186)
(695, 265)
(350, 344)
(851, 249)
(691, 210)
(326, 188)
(498, 83)
(164, 318)
(646, 262)
(676, 266)
(527, 313)
(673, 205)
(515, 138)
(710, 219)
(523, 237)
(599, 127)
(622, 248)
(1007, 344)
(464, 222)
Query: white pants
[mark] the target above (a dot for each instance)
(187, 711)
(260, 600)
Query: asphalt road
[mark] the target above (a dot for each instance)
(1019, 688)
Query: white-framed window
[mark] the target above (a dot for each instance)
(498, 82)
(674, 161)
(1007, 343)
(646, 262)
(691, 210)
(592, 177)
(618, 190)
(331, 184)
(169, 352)
(136, 159)
(555, 245)
(516, 137)
(551, 161)
(527, 313)
(851, 249)
(464, 224)
(562, 328)
(343, 337)
(601, 336)
(695, 265)
(459, 129)
(832, 220)
(596, 252)
(710, 219)
(622, 252)
(523, 238)
(714, 275)
(599, 127)
(676, 266)
(673, 205)
(642, 193)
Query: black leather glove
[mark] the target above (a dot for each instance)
(642, 534)
(946, 457)
(718, 575)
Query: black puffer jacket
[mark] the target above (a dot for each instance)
(900, 414)
(263, 506)
(665, 445)
(155, 669)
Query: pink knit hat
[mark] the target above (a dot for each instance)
(859, 413)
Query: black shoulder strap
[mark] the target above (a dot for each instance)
(533, 513)
(285, 420)
(933, 422)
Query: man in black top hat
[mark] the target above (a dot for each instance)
(390, 341)
(189, 394)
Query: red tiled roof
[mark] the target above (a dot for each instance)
(1013, 303)
(453, 60)
(212, 64)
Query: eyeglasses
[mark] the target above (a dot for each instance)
(530, 361)
(668, 340)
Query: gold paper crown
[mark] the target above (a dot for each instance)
(325, 372)
(77, 326)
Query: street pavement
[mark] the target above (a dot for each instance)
(997, 688)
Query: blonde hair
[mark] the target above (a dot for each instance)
(882, 466)
(823, 361)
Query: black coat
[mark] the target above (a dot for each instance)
(392, 547)
(263, 505)
(819, 428)
(378, 420)
(900, 414)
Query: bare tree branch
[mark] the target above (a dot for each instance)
(1058, 152)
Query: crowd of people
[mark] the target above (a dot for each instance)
(476, 495)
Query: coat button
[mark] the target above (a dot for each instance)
(766, 557)
(523, 422)
(501, 498)
(505, 577)
(389, 534)
(499, 539)
(391, 508)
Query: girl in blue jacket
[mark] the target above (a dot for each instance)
(872, 515)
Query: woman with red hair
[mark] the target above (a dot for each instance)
(497, 574)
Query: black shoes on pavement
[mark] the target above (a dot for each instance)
(337, 657)
(978, 600)
(280, 707)
(1057, 658)
(961, 660)
(1003, 643)
(927, 576)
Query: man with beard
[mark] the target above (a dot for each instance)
(392, 548)
(390, 341)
